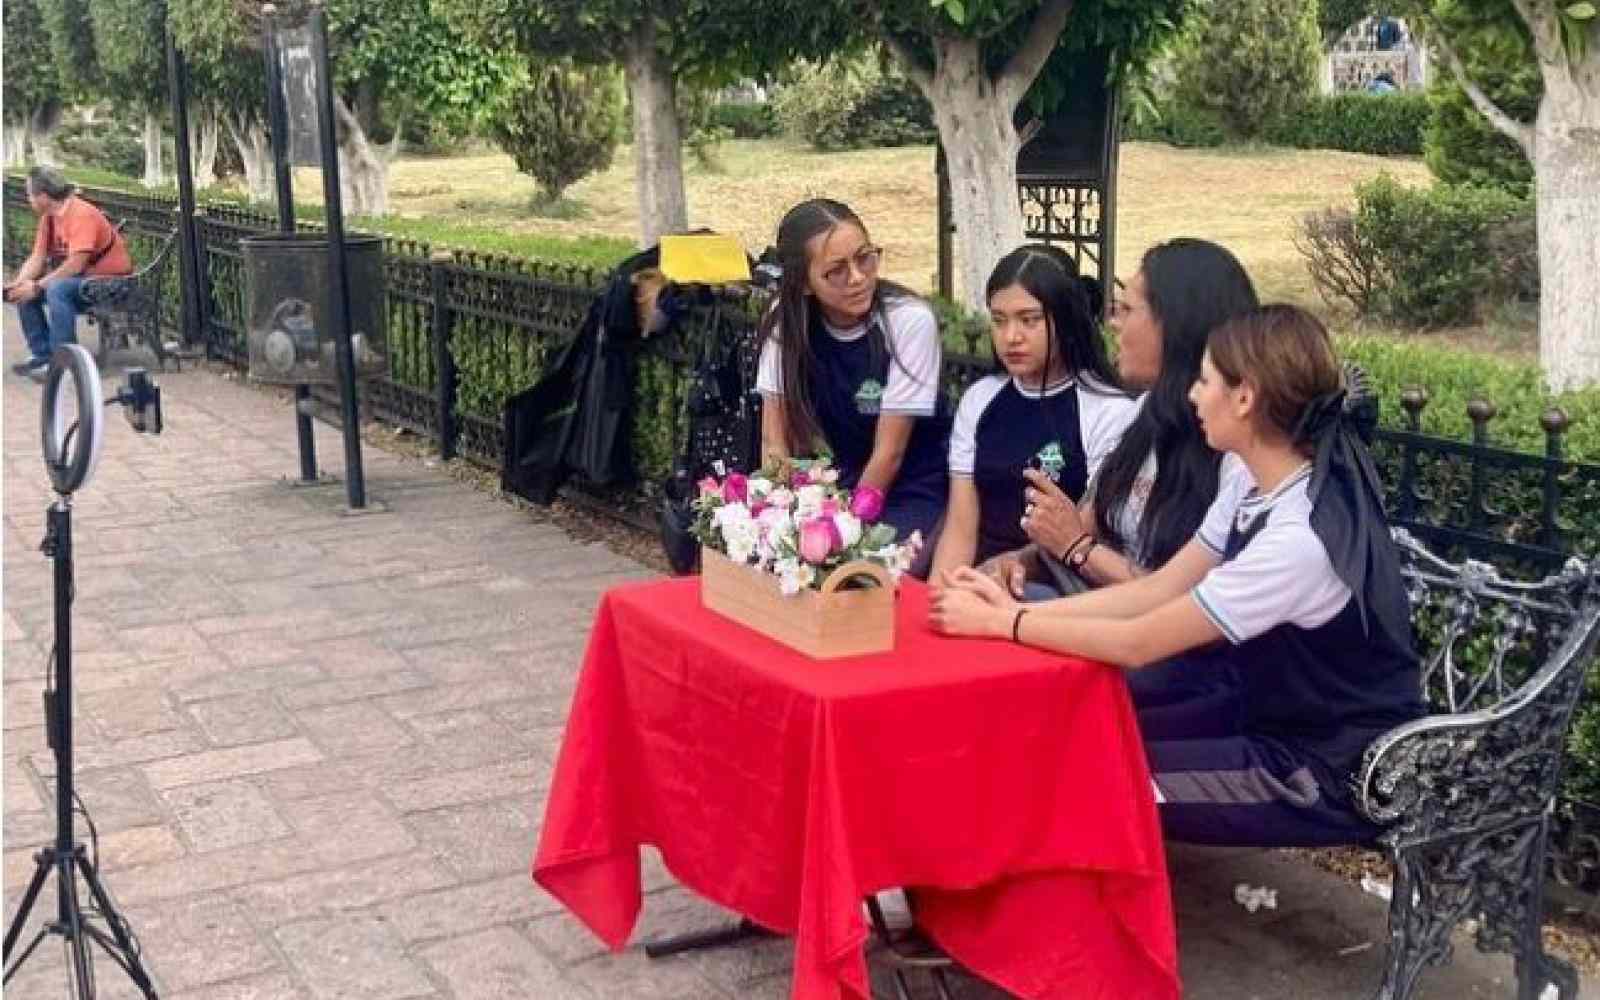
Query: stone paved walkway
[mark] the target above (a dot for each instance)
(315, 745)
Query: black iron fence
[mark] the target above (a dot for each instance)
(467, 330)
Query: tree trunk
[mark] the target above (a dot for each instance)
(657, 138)
(363, 165)
(41, 133)
(204, 132)
(16, 141)
(980, 148)
(154, 175)
(249, 137)
(1566, 164)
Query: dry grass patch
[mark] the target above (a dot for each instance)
(1247, 199)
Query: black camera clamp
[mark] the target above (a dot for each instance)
(69, 471)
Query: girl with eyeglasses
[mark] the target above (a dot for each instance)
(1056, 408)
(1292, 584)
(850, 366)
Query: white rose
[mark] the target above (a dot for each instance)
(809, 500)
(849, 528)
(782, 497)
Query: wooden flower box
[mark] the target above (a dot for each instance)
(823, 624)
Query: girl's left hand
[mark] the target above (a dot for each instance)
(967, 602)
(1051, 519)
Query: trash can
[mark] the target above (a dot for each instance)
(289, 322)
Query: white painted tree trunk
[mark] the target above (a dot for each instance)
(41, 134)
(249, 137)
(1566, 162)
(154, 175)
(16, 142)
(204, 132)
(363, 165)
(980, 148)
(657, 138)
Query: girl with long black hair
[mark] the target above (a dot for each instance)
(850, 366)
(1055, 406)
(1156, 485)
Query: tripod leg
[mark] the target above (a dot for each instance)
(72, 917)
(38, 938)
(125, 953)
(39, 875)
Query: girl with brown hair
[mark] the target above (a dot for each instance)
(1294, 584)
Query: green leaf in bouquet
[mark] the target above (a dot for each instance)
(877, 536)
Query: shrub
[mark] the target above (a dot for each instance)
(854, 104)
(1460, 145)
(1250, 62)
(1434, 247)
(559, 124)
(1381, 124)
(1422, 258)
(746, 121)
(1177, 124)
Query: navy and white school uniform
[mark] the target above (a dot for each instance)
(1002, 428)
(853, 384)
(1268, 761)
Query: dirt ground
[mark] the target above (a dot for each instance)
(1246, 199)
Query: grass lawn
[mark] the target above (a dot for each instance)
(1247, 200)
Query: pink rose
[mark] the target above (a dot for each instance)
(709, 487)
(757, 507)
(829, 507)
(819, 537)
(867, 503)
(736, 488)
(800, 477)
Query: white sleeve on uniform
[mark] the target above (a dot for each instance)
(964, 429)
(1103, 417)
(1283, 575)
(1234, 482)
(913, 388)
(769, 371)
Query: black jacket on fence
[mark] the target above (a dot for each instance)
(578, 418)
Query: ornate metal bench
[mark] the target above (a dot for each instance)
(1467, 793)
(128, 309)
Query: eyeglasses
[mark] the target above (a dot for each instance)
(865, 261)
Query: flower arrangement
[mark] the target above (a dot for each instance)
(794, 520)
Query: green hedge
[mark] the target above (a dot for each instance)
(1383, 124)
(854, 105)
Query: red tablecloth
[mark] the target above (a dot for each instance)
(1007, 785)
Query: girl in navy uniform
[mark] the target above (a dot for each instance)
(1154, 487)
(1056, 407)
(860, 381)
(1296, 579)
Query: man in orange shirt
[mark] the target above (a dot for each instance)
(74, 242)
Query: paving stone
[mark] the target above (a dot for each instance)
(140, 845)
(351, 727)
(353, 886)
(136, 711)
(348, 826)
(353, 958)
(271, 986)
(244, 718)
(489, 781)
(232, 762)
(192, 942)
(332, 692)
(459, 909)
(482, 839)
(217, 815)
(500, 964)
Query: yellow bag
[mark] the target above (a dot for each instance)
(704, 258)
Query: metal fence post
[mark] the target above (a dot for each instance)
(1480, 412)
(1412, 401)
(444, 360)
(1555, 423)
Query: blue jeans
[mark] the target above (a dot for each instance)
(52, 319)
